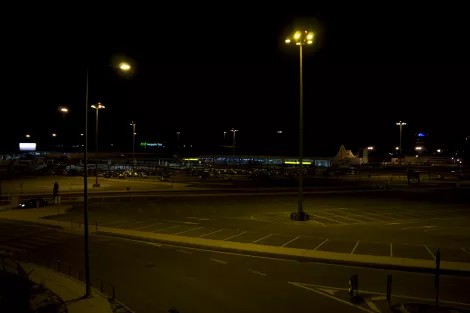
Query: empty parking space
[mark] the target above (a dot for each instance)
(223, 234)
(275, 240)
(197, 231)
(368, 248)
(454, 255)
(305, 243)
(171, 229)
(248, 237)
(412, 252)
(337, 246)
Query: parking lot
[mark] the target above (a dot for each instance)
(398, 225)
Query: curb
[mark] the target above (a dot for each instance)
(299, 255)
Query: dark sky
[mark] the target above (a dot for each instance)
(208, 69)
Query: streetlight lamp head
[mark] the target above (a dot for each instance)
(310, 36)
(65, 110)
(287, 40)
(370, 148)
(124, 66)
(28, 136)
(297, 35)
(54, 135)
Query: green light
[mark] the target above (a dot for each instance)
(143, 144)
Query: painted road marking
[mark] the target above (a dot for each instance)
(321, 244)
(330, 219)
(310, 220)
(363, 215)
(290, 241)
(146, 226)
(219, 261)
(182, 251)
(262, 238)
(235, 235)
(259, 273)
(342, 216)
(330, 296)
(418, 227)
(398, 223)
(166, 228)
(210, 233)
(372, 305)
(464, 250)
(186, 231)
(432, 254)
(199, 218)
(354, 249)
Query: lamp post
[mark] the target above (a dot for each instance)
(133, 146)
(401, 124)
(123, 67)
(97, 107)
(301, 39)
(233, 130)
(225, 133)
(63, 111)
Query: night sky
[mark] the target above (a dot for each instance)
(206, 70)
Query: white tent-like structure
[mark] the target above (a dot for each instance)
(346, 157)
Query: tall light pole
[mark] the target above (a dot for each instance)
(63, 111)
(97, 107)
(133, 146)
(123, 67)
(401, 124)
(233, 130)
(225, 133)
(301, 39)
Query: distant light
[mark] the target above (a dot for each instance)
(310, 36)
(401, 123)
(309, 42)
(28, 136)
(397, 148)
(27, 146)
(54, 135)
(370, 148)
(421, 135)
(65, 110)
(438, 150)
(279, 131)
(418, 148)
(297, 35)
(81, 134)
(297, 162)
(287, 40)
(416, 155)
(124, 66)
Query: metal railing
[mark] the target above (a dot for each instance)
(10, 261)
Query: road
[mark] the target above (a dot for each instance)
(154, 278)
(394, 223)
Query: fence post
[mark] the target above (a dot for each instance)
(389, 289)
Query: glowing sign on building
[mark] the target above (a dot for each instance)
(27, 146)
(421, 135)
(151, 144)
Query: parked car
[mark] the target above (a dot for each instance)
(33, 203)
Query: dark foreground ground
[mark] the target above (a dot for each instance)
(155, 278)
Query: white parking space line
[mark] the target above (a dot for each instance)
(210, 233)
(290, 241)
(363, 215)
(187, 231)
(146, 226)
(183, 251)
(219, 261)
(418, 227)
(430, 252)
(166, 228)
(349, 218)
(258, 273)
(465, 250)
(354, 249)
(262, 238)
(399, 223)
(235, 235)
(321, 244)
(330, 219)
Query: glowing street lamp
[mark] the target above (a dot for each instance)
(28, 136)
(124, 66)
(54, 135)
(233, 130)
(401, 124)
(301, 39)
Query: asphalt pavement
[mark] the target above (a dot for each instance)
(396, 224)
(150, 277)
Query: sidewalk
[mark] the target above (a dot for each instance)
(71, 291)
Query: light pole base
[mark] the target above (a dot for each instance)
(299, 216)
